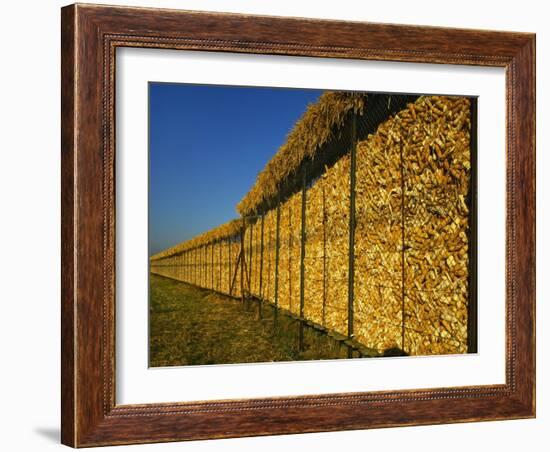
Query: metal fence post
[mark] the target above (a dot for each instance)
(323, 314)
(472, 223)
(243, 260)
(302, 259)
(220, 258)
(351, 251)
(229, 241)
(212, 265)
(268, 286)
(277, 246)
(250, 264)
(402, 246)
(290, 244)
(260, 282)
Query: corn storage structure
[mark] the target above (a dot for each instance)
(361, 225)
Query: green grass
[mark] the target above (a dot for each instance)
(192, 326)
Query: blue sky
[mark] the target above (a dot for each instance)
(206, 147)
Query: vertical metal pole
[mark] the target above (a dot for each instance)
(351, 251)
(243, 260)
(260, 283)
(324, 258)
(220, 245)
(290, 259)
(472, 226)
(229, 242)
(402, 247)
(302, 258)
(277, 246)
(250, 265)
(269, 256)
(212, 265)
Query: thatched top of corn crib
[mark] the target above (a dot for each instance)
(317, 126)
(223, 231)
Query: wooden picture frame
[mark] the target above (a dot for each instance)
(90, 36)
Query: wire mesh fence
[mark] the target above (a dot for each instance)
(376, 247)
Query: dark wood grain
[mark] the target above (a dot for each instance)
(67, 224)
(90, 36)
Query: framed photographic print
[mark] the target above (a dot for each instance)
(282, 225)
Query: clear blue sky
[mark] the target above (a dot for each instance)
(206, 147)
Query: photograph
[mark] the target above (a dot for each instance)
(299, 222)
(292, 224)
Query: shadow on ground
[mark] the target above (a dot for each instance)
(51, 433)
